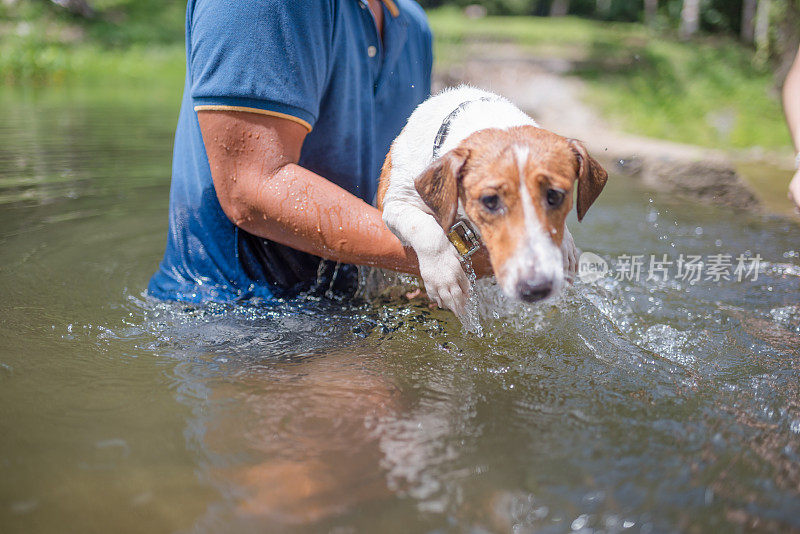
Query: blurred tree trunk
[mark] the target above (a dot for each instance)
(761, 30)
(76, 7)
(749, 20)
(559, 8)
(602, 7)
(650, 11)
(690, 18)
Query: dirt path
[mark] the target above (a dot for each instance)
(544, 89)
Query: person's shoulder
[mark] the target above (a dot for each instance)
(320, 8)
(309, 8)
(414, 14)
(326, 7)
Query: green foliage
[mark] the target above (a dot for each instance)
(496, 7)
(42, 43)
(717, 16)
(129, 22)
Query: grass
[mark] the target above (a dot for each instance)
(706, 92)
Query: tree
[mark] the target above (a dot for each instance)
(650, 11)
(690, 18)
(77, 7)
(559, 8)
(748, 20)
(761, 31)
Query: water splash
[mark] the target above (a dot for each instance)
(470, 319)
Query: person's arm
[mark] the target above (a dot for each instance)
(262, 190)
(791, 108)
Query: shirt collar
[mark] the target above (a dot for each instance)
(392, 7)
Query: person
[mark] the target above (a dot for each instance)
(288, 111)
(791, 107)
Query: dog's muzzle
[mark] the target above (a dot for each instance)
(529, 291)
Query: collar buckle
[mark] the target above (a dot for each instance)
(464, 239)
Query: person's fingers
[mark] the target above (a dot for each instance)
(796, 200)
(794, 191)
(413, 294)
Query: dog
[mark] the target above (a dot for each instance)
(470, 169)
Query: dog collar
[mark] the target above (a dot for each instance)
(464, 238)
(461, 235)
(444, 129)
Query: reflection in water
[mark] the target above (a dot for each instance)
(309, 438)
(318, 431)
(627, 405)
(312, 412)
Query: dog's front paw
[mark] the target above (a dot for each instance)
(569, 254)
(445, 280)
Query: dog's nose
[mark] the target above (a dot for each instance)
(533, 291)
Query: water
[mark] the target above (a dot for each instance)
(625, 406)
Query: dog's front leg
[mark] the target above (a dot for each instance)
(439, 263)
(569, 253)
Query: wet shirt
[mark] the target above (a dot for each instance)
(320, 63)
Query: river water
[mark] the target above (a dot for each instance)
(629, 405)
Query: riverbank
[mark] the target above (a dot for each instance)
(697, 120)
(752, 179)
(707, 92)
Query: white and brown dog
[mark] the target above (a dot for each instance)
(471, 168)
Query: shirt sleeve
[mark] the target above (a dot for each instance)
(262, 56)
(428, 59)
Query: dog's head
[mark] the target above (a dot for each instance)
(516, 187)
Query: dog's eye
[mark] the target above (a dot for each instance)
(491, 202)
(555, 197)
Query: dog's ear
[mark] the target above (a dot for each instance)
(438, 185)
(592, 177)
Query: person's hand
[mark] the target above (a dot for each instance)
(794, 191)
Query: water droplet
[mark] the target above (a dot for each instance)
(579, 522)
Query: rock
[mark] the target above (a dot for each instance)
(711, 181)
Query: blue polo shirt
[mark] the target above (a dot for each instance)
(320, 63)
